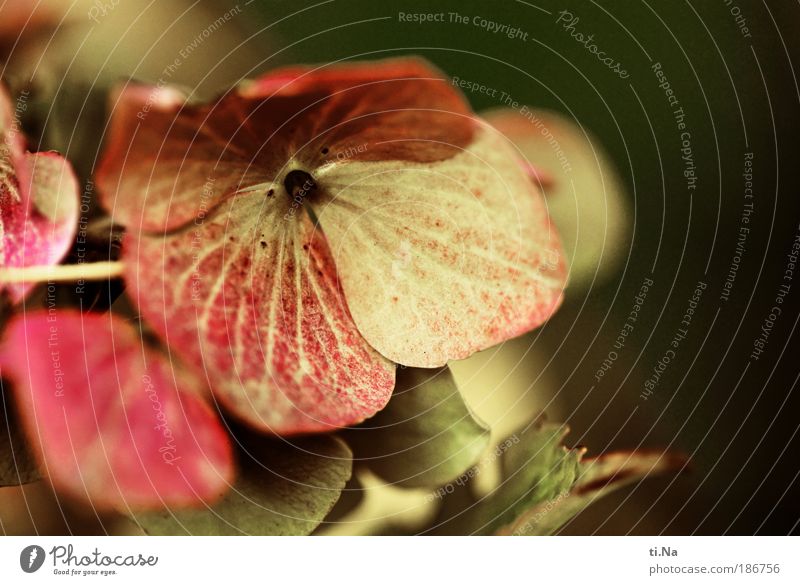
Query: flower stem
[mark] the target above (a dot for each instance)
(62, 272)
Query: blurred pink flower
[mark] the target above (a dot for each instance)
(113, 421)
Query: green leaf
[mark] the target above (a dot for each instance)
(536, 468)
(352, 497)
(544, 484)
(426, 436)
(598, 477)
(284, 488)
(17, 465)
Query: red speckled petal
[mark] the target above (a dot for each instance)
(251, 295)
(585, 194)
(38, 205)
(395, 109)
(115, 423)
(440, 260)
(168, 162)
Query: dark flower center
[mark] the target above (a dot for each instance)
(299, 185)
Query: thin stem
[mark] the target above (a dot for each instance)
(62, 272)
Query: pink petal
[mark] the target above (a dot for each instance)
(114, 422)
(251, 297)
(443, 259)
(38, 204)
(167, 163)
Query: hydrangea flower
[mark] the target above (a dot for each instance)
(38, 203)
(299, 236)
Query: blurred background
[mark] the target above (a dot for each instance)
(729, 65)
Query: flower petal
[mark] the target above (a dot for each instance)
(585, 194)
(395, 109)
(440, 260)
(38, 204)
(170, 162)
(251, 295)
(113, 422)
(162, 154)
